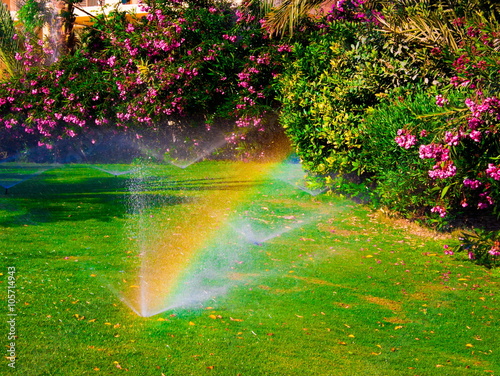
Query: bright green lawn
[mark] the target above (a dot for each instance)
(343, 292)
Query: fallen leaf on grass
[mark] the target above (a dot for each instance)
(469, 345)
(191, 323)
(235, 319)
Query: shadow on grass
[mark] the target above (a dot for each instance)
(54, 197)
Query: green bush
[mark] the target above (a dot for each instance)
(324, 92)
(400, 177)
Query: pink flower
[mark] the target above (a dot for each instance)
(443, 170)
(472, 184)
(435, 151)
(485, 202)
(447, 250)
(451, 139)
(493, 171)
(440, 210)
(405, 139)
(475, 135)
(494, 251)
(472, 256)
(441, 101)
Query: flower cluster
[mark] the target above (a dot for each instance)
(405, 139)
(493, 171)
(352, 10)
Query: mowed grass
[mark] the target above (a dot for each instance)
(343, 291)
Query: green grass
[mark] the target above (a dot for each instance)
(344, 292)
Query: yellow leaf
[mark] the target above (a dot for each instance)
(93, 275)
(212, 316)
(191, 323)
(351, 336)
(368, 256)
(463, 279)
(398, 327)
(469, 345)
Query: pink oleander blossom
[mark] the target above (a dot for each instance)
(475, 135)
(494, 251)
(441, 101)
(434, 151)
(451, 139)
(485, 201)
(405, 139)
(439, 210)
(443, 170)
(472, 184)
(493, 171)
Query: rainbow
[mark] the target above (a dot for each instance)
(169, 255)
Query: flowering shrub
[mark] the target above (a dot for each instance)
(466, 147)
(482, 247)
(420, 122)
(335, 76)
(208, 61)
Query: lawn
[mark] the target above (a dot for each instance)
(227, 268)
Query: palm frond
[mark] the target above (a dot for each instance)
(8, 43)
(286, 16)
